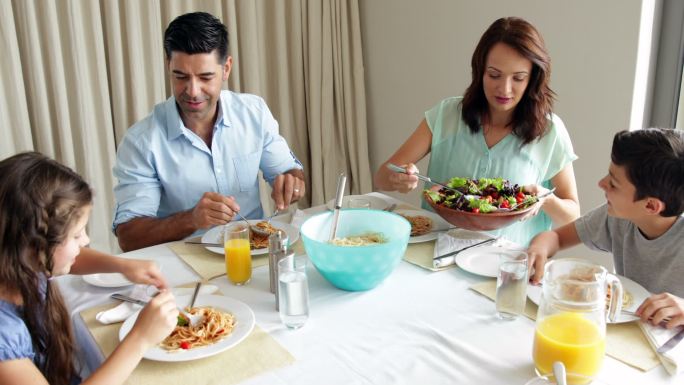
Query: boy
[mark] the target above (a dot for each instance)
(641, 223)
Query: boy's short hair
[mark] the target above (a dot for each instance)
(654, 161)
(197, 32)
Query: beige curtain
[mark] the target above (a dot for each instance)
(78, 73)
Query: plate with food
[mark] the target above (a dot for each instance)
(375, 203)
(107, 280)
(226, 323)
(425, 225)
(633, 295)
(258, 243)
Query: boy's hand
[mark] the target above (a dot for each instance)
(660, 306)
(537, 259)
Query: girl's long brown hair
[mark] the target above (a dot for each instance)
(531, 114)
(40, 200)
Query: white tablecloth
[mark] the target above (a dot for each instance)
(417, 327)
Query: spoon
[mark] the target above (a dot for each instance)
(537, 197)
(559, 373)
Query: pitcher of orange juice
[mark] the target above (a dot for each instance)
(577, 299)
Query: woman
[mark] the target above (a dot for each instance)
(44, 209)
(502, 127)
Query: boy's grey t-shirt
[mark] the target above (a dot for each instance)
(656, 264)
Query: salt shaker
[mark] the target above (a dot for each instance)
(277, 249)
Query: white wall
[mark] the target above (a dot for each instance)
(418, 52)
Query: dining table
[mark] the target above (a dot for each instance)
(417, 327)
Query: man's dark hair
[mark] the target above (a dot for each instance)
(654, 161)
(197, 32)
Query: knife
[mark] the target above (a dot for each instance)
(672, 342)
(204, 243)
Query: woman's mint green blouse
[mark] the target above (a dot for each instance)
(456, 151)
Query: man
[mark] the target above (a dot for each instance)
(194, 161)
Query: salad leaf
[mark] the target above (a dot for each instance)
(182, 321)
(482, 204)
(496, 182)
(434, 195)
(457, 182)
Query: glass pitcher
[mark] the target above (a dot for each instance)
(571, 320)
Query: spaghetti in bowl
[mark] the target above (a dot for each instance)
(243, 318)
(360, 267)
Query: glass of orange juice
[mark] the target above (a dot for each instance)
(237, 253)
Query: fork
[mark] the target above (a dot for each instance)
(424, 178)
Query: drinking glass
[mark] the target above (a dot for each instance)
(293, 291)
(359, 203)
(511, 284)
(237, 252)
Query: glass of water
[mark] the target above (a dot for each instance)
(293, 291)
(511, 284)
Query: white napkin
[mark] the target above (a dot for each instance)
(126, 309)
(298, 218)
(673, 360)
(459, 239)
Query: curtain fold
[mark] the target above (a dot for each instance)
(78, 73)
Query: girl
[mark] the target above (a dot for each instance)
(44, 209)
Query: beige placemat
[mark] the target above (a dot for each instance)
(258, 353)
(207, 264)
(624, 342)
(420, 254)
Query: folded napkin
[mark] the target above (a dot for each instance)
(460, 239)
(673, 359)
(126, 309)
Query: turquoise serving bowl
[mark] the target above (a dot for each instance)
(356, 268)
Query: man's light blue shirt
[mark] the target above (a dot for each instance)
(164, 168)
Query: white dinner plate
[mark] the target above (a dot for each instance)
(438, 223)
(639, 294)
(214, 235)
(481, 260)
(244, 324)
(375, 202)
(107, 280)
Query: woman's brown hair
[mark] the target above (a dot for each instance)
(531, 114)
(40, 200)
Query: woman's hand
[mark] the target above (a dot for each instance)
(535, 189)
(660, 306)
(145, 272)
(405, 182)
(156, 320)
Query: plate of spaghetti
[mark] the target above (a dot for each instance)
(258, 243)
(424, 224)
(226, 323)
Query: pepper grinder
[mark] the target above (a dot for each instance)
(277, 250)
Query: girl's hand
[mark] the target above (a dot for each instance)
(156, 320)
(145, 272)
(405, 182)
(660, 306)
